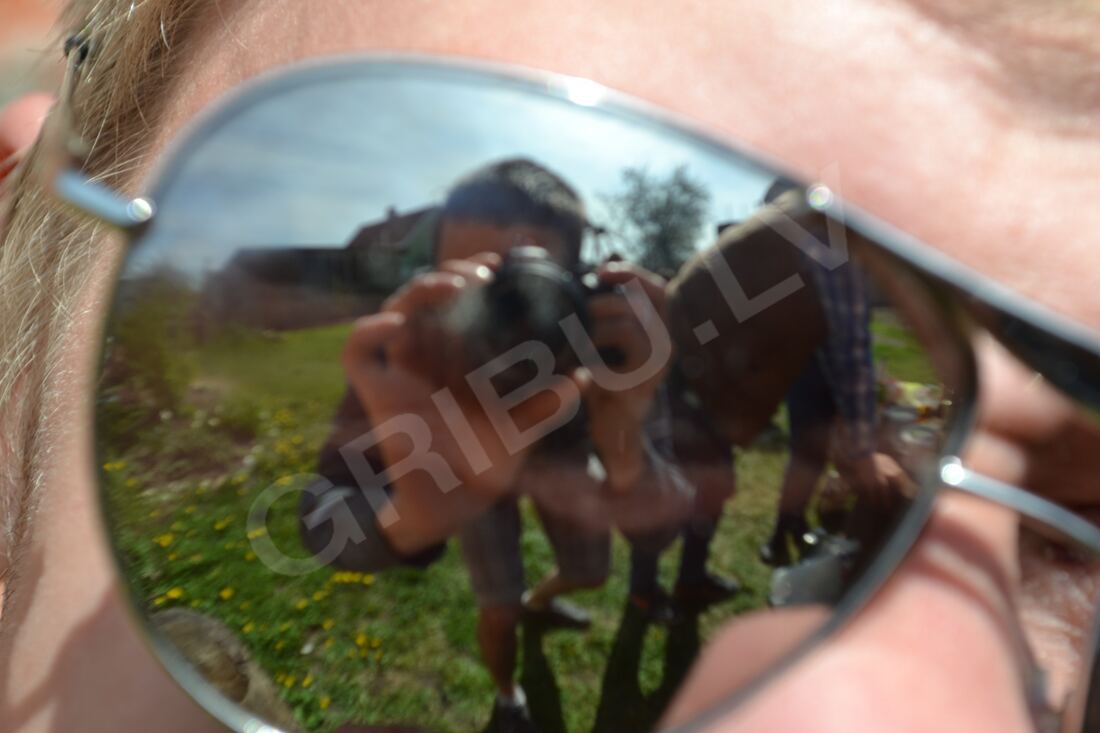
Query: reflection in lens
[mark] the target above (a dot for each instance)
(493, 418)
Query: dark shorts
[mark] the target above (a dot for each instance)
(494, 559)
(811, 411)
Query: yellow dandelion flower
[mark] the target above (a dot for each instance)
(226, 593)
(165, 539)
(173, 556)
(248, 628)
(375, 643)
(301, 604)
(159, 601)
(327, 624)
(368, 580)
(320, 595)
(324, 702)
(279, 645)
(361, 639)
(221, 524)
(285, 626)
(175, 593)
(308, 681)
(249, 556)
(258, 532)
(283, 481)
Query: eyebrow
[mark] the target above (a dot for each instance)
(1040, 56)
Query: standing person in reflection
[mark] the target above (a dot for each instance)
(832, 404)
(380, 504)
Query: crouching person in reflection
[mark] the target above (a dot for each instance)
(769, 315)
(466, 373)
(832, 410)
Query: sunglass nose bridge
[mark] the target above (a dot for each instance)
(1043, 515)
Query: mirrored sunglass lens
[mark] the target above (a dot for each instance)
(434, 399)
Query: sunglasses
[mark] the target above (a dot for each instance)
(416, 367)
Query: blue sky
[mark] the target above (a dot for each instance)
(311, 165)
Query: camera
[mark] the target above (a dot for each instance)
(528, 300)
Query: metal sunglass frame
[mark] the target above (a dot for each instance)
(1064, 353)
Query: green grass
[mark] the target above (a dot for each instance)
(399, 646)
(895, 347)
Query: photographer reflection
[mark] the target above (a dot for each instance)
(468, 388)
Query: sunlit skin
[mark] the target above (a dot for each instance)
(969, 125)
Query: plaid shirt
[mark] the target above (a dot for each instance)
(846, 358)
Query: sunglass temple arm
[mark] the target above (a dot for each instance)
(66, 175)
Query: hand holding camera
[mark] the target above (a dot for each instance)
(479, 350)
(400, 362)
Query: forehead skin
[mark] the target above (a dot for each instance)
(933, 116)
(967, 124)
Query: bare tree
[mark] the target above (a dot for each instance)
(657, 221)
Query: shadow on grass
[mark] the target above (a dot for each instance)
(537, 680)
(623, 704)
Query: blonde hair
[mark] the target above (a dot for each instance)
(46, 252)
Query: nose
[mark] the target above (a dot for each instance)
(1032, 435)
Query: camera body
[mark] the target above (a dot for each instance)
(529, 300)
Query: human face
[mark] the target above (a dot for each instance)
(912, 103)
(461, 239)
